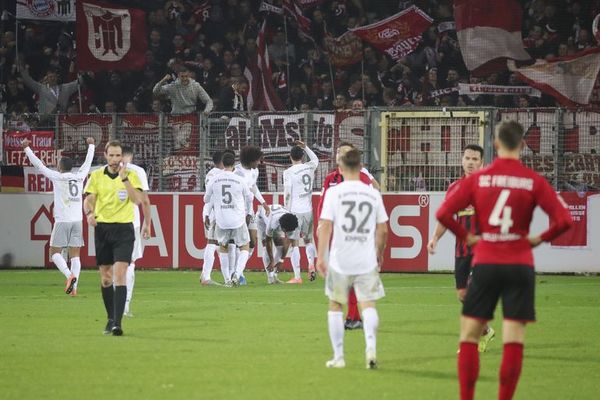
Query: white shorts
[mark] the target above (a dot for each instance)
(252, 224)
(209, 231)
(137, 244)
(67, 234)
(240, 236)
(368, 287)
(305, 225)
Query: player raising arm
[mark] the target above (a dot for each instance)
(354, 214)
(504, 196)
(298, 183)
(68, 192)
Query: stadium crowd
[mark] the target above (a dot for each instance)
(213, 39)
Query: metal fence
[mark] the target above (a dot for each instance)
(406, 149)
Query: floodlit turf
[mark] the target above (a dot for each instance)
(270, 342)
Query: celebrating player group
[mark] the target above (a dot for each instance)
(489, 210)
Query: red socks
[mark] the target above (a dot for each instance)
(353, 313)
(468, 369)
(510, 370)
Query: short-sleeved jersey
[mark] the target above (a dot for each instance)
(113, 204)
(250, 176)
(68, 186)
(335, 177)
(143, 177)
(230, 198)
(504, 195)
(207, 210)
(465, 217)
(273, 227)
(355, 210)
(298, 181)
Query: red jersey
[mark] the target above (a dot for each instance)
(504, 195)
(335, 177)
(466, 218)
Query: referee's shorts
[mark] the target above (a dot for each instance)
(114, 243)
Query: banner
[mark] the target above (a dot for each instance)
(46, 10)
(497, 90)
(578, 208)
(489, 32)
(110, 37)
(398, 35)
(292, 10)
(11, 179)
(344, 50)
(42, 144)
(570, 79)
(141, 133)
(74, 129)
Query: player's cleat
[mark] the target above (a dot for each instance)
(351, 325)
(210, 282)
(371, 359)
(228, 284)
(336, 363)
(243, 281)
(70, 284)
(117, 330)
(235, 281)
(295, 281)
(274, 280)
(127, 312)
(73, 293)
(108, 327)
(485, 340)
(312, 274)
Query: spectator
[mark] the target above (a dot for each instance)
(184, 93)
(53, 96)
(232, 98)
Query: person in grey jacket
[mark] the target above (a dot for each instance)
(184, 93)
(53, 97)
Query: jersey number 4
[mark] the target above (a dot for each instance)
(501, 214)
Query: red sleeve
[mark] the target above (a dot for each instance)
(365, 178)
(455, 201)
(560, 218)
(326, 184)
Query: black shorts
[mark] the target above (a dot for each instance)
(462, 270)
(515, 284)
(114, 242)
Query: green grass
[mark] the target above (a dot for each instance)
(265, 342)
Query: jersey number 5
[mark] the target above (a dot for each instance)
(501, 214)
(226, 194)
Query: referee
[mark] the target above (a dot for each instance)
(112, 193)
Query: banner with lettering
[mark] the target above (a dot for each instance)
(42, 144)
(577, 236)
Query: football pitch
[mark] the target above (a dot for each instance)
(270, 342)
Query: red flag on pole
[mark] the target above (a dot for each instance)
(489, 33)
(261, 94)
(398, 35)
(110, 37)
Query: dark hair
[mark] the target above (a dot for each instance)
(230, 151)
(510, 134)
(113, 143)
(474, 147)
(297, 153)
(217, 157)
(250, 154)
(228, 159)
(352, 159)
(288, 222)
(65, 164)
(127, 150)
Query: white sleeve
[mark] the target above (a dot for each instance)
(206, 210)
(248, 200)
(257, 194)
(287, 190)
(36, 162)
(85, 167)
(328, 212)
(381, 213)
(208, 196)
(313, 160)
(143, 179)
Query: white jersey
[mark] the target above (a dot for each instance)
(207, 210)
(355, 210)
(68, 186)
(230, 199)
(271, 222)
(143, 177)
(250, 176)
(298, 181)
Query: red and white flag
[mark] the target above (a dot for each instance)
(489, 33)
(110, 37)
(292, 9)
(261, 92)
(398, 35)
(569, 79)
